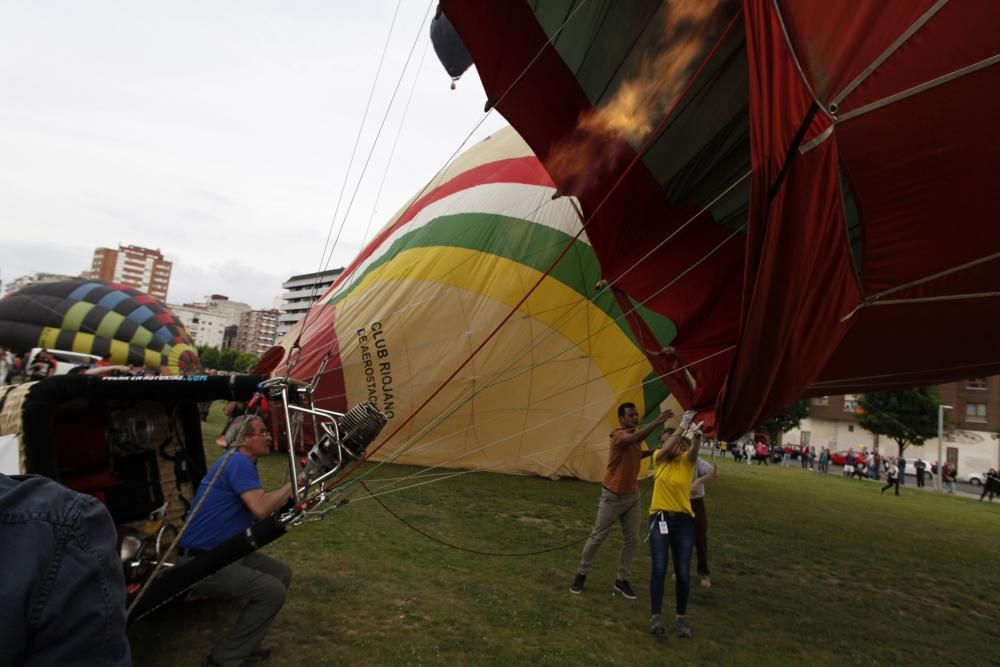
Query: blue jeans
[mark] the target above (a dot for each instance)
(680, 540)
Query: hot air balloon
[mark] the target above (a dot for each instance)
(449, 48)
(800, 187)
(422, 298)
(97, 317)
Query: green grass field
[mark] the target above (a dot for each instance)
(806, 569)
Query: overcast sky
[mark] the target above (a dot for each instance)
(218, 132)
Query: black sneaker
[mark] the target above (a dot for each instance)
(578, 582)
(622, 587)
(681, 628)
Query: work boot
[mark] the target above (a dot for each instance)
(681, 628)
(656, 626)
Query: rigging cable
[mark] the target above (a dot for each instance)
(323, 261)
(645, 147)
(468, 136)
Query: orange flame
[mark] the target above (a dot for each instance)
(641, 101)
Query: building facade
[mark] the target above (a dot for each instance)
(971, 425)
(257, 331)
(135, 266)
(205, 326)
(300, 293)
(229, 310)
(35, 279)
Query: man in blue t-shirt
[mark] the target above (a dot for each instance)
(235, 500)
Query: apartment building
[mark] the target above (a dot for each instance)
(135, 266)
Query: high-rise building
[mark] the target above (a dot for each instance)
(301, 292)
(214, 321)
(228, 309)
(35, 279)
(142, 268)
(205, 326)
(256, 332)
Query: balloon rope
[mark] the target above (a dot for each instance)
(576, 309)
(395, 143)
(452, 545)
(421, 473)
(420, 407)
(459, 148)
(646, 145)
(836, 381)
(514, 309)
(323, 261)
(378, 133)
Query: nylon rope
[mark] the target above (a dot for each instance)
(639, 154)
(597, 529)
(573, 311)
(574, 443)
(870, 300)
(920, 88)
(378, 134)
(891, 49)
(468, 136)
(323, 262)
(230, 452)
(551, 331)
(940, 369)
(395, 143)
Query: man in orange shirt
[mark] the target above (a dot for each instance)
(620, 497)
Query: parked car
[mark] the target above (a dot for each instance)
(974, 478)
(840, 458)
(929, 471)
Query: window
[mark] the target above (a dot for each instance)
(975, 412)
(821, 400)
(976, 383)
(850, 402)
(804, 438)
(850, 428)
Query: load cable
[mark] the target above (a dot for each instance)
(639, 154)
(323, 261)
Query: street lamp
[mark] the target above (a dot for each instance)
(940, 463)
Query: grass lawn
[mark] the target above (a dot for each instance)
(806, 568)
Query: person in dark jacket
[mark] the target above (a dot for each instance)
(62, 591)
(992, 485)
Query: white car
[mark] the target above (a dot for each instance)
(65, 360)
(911, 469)
(975, 478)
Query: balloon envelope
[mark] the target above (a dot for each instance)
(541, 396)
(97, 317)
(800, 187)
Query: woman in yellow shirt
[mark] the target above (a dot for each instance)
(671, 522)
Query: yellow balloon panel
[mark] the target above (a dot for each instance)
(531, 401)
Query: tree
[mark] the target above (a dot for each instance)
(908, 416)
(245, 362)
(227, 359)
(786, 421)
(209, 356)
